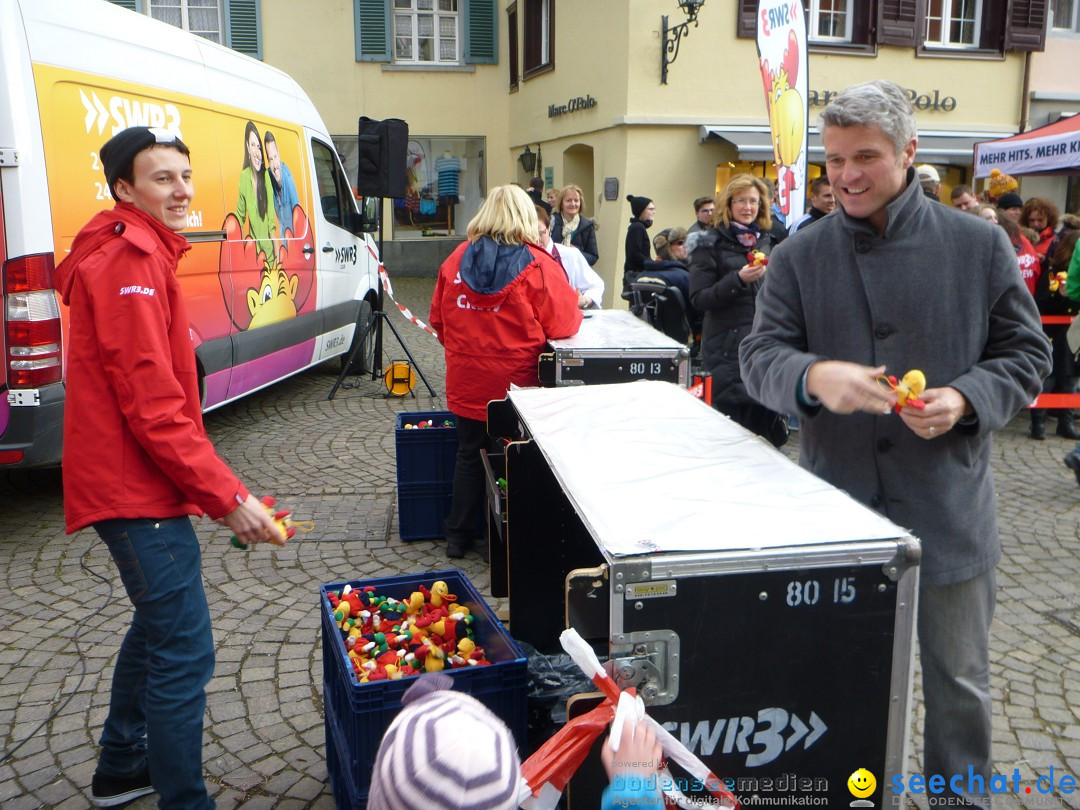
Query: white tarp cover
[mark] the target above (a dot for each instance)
(1050, 149)
(651, 468)
(615, 329)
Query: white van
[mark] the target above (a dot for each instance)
(277, 280)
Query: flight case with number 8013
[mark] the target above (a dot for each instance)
(765, 617)
(613, 346)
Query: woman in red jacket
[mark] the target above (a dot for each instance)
(498, 299)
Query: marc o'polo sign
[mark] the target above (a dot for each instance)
(930, 100)
(573, 105)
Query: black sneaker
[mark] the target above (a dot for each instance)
(116, 791)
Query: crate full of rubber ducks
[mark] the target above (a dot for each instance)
(380, 634)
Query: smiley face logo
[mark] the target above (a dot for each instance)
(861, 783)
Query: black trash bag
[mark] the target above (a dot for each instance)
(552, 680)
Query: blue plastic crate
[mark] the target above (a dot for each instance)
(339, 769)
(425, 455)
(422, 508)
(358, 714)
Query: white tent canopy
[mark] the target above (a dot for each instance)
(1050, 149)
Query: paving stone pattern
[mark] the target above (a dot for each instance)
(63, 611)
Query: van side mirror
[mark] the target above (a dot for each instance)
(367, 221)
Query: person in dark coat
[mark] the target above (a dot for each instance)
(570, 226)
(892, 282)
(724, 284)
(638, 246)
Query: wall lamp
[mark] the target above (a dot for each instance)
(672, 37)
(532, 162)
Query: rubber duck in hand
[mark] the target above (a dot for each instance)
(756, 258)
(281, 518)
(908, 389)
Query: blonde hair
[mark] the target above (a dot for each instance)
(742, 182)
(577, 190)
(508, 216)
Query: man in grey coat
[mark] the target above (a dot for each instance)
(894, 282)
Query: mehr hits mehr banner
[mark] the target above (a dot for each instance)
(781, 45)
(1052, 149)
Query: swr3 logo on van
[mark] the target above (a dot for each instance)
(347, 254)
(129, 112)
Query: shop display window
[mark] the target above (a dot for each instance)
(445, 185)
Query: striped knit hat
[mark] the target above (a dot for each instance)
(445, 751)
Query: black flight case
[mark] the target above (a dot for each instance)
(765, 616)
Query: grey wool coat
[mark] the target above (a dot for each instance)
(940, 291)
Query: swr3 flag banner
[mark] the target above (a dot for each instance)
(781, 46)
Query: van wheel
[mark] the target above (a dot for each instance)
(365, 357)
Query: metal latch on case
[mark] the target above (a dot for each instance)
(649, 661)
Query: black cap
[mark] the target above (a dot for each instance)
(1010, 199)
(120, 150)
(638, 204)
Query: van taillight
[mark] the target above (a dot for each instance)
(32, 323)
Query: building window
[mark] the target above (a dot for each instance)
(233, 23)
(202, 17)
(953, 23)
(426, 31)
(512, 30)
(539, 36)
(1066, 15)
(830, 21)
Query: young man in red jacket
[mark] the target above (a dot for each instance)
(137, 462)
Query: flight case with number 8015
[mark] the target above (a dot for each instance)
(613, 346)
(765, 617)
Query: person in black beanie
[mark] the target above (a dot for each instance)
(638, 246)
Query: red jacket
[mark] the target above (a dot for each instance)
(494, 308)
(1028, 259)
(134, 443)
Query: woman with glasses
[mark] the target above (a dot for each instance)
(724, 282)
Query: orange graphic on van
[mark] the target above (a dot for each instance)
(266, 289)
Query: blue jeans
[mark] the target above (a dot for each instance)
(166, 659)
(954, 640)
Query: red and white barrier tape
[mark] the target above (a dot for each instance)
(385, 278)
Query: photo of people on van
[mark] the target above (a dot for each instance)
(255, 201)
(264, 274)
(281, 179)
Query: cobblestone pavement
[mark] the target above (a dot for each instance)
(62, 609)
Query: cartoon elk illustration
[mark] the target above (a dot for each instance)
(787, 118)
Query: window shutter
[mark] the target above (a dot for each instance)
(747, 22)
(242, 29)
(371, 21)
(481, 32)
(130, 5)
(900, 22)
(1026, 26)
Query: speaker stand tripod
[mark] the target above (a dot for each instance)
(379, 317)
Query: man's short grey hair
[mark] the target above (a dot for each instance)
(880, 103)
